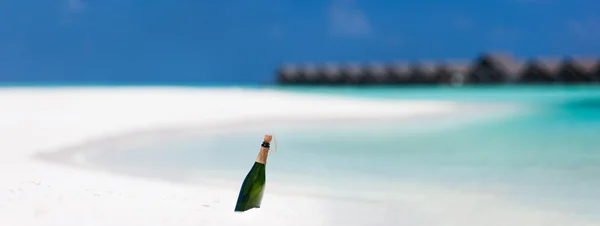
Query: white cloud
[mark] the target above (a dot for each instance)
(346, 19)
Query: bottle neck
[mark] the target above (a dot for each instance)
(262, 155)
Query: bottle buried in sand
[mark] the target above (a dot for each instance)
(253, 187)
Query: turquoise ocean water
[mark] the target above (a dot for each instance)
(547, 155)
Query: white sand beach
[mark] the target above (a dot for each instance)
(44, 120)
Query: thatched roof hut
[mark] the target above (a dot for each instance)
(398, 72)
(423, 73)
(352, 73)
(376, 74)
(452, 72)
(330, 73)
(488, 68)
(540, 70)
(596, 73)
(309, 74)
(494, 69)
(577, 70)
(288, 74)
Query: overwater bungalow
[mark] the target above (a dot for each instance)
(376, 74)
(288, 74)
(330, 74)
(596, 73)
(308, 75)
(451, 72)
(540, 71)
(494, 69)
(399, 73)
(488, 68)
(353, 74)
(422, 73)
(577, 70)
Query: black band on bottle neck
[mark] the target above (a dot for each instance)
(265, 144)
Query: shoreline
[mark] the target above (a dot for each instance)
(165, 133)
(39, 193)
(74, 156)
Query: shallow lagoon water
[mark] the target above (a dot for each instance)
(546, 155)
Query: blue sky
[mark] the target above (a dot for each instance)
(242, 41)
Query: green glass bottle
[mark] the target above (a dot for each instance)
(253, 187)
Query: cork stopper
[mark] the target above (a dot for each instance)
(264, 151)
(268, 138)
